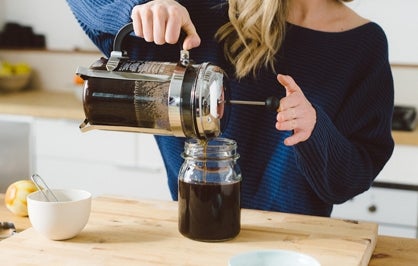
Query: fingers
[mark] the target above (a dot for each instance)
(292, 92)
(192, 39)
(147, 25)
(158, 27)
(301, 126)
(288, 120)
(286, 115)
(172, 29)
(301, 130)
(137, 24)
(288, 83)
(296, 138)
(295, 112)
(162, 21)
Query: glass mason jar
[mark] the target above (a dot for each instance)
(209, 190)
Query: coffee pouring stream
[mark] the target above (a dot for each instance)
(181, 99)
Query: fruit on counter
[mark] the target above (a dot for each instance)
(15, 198)
(14, 77)
(22, 69)
(8, 69)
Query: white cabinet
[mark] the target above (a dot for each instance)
(402, 168)
(16, 149)
(396, 211)
(102, 162)
(63, 139)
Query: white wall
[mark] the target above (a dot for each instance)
(53, 70)
(2, 13)
(52, 18)
(399, 19)
(406, 85)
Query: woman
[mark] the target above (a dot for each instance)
(332, 133)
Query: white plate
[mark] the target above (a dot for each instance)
(273, 258)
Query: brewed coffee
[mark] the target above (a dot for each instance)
(208, 211)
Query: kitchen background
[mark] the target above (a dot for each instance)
(130, 164)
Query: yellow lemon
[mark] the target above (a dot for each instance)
(15, 198)
(21, 68)
(6, 69)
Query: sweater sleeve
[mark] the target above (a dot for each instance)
(345, 153)
(101, 19)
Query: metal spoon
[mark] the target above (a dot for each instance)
(7, 229)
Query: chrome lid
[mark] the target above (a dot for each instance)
(209, 101)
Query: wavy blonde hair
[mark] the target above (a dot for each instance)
(254, 34)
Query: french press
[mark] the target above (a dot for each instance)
(180, 99)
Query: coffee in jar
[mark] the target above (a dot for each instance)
(209, 190)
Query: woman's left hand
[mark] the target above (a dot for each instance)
(295, 112)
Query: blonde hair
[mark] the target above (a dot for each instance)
(254, 34)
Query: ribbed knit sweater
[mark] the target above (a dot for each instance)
(345, 75)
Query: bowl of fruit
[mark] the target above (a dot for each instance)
(14, 77)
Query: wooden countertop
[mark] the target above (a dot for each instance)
(406, 137)
(133, 229)
(42, 103)
(56, 104)
(145, 232)
(21, 223)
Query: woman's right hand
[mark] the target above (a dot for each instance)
(161, 21)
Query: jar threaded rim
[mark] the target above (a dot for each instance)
(212, 149)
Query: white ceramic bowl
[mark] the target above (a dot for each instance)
(63, 219)
(273, 258)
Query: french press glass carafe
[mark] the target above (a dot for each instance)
(163, 98)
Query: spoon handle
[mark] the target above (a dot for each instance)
(37, 179)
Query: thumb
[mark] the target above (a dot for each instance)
(288, 83)
(192, 39)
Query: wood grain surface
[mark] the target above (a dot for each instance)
(131, 232)
(43, 104)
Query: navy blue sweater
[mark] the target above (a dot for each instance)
(345, 75)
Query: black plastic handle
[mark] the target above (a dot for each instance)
(272, 103)
(120, 36)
